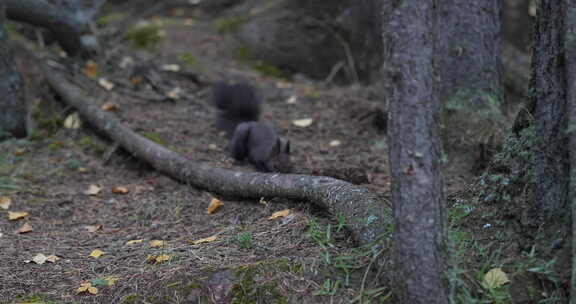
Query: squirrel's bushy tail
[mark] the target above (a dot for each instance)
(236, 103)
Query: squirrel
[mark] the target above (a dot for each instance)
(239, 108)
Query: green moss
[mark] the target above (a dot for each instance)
(108, 18)
(47, 119)
(250, 290)
(131, 299)
(313, 95)
(228, 24)
(73, 164)
(56, 145)
(145, 36)
(269, 70)
(243, 53)
(243, 240)
(189, 59)
(34, 299)
(515, 166)
(155, 137)
(90, 144)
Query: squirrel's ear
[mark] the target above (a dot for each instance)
(277, 147)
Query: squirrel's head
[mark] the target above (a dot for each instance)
(279, 160)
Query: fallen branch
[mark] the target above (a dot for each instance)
(366, 216)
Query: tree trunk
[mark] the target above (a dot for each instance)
(365, 41)
(548, 87)
(420, 238)
(12, 103)
(570, 53)
(70, 28)
(469, 64)
(516, 23)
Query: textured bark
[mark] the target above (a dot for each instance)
(70, 27)
(469, 43)
(548, 87)
(417, 194)
(12, 103)
(570, 47)
(365, 214)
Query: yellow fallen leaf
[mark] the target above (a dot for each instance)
(111, 280)
(91, 69)
(292, 100)
(215, 204)
(25, 228)
(170, 67)
(20, 151)
(72, 121)
(278, 214)
(120, 190)
(162, 258)
(39, 259)
(87, 287)
(97, 253)
(83, 287)
(93, 190)
(305, 122)
(52, 258)
(157, 259)
(495, 278)
(106, 84)
(157, 243)
(335, 143)
(189, 21)
(174, 93)
(283, 85)
(5, 202)
(109, 106)
(93, 228)
(136, 79)
(131, 242)
(126, 62)
(16, 215)
(204, 240)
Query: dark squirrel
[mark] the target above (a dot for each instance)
(239, 108)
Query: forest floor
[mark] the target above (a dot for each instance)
(80, 197)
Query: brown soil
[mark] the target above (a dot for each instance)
(49, 177)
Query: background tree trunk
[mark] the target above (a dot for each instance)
(516, 23)
(70, 25)
(365, 38)
(570, 53)
(417, 194)
(12, 103)
(548, 87)
(469, 64)
(323, 35)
